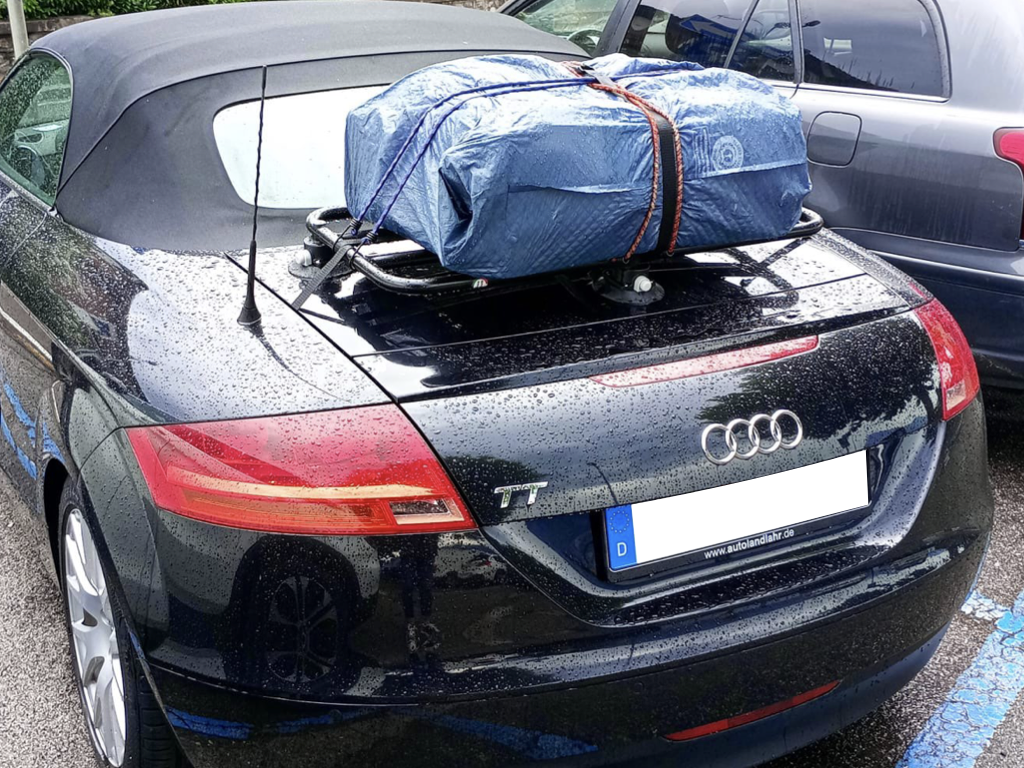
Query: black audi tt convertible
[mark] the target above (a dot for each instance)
(545, 520)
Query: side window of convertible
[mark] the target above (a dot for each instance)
(578, 21)
(35, 110)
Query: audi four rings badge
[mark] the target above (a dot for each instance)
(784, 427)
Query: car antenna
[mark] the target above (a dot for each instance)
(250, 314)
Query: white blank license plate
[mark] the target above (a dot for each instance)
(735, 518)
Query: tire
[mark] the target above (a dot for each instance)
(122, 716)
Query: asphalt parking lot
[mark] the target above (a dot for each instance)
(962, 711)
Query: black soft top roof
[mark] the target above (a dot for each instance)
(118, 60)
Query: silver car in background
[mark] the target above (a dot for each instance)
(914, 116)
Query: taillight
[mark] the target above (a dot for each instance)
(356, 471)
(957, 372)
(1010, 146)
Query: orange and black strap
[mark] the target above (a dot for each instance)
(668, 175)
(671, 183)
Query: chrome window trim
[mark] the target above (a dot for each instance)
(869, 92)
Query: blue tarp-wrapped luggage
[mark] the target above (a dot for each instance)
(506, 166)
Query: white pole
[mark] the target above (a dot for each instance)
(19, 32)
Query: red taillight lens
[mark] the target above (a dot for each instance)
(699, 366)
(1010, 146)
(957, 371)
(751, 717)
(356, 471)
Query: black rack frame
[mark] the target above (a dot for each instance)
(325, 245)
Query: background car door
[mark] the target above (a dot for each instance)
(890, 158)
(35, 111)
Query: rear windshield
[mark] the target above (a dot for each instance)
(303, 161)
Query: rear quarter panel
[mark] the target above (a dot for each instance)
(95, 336)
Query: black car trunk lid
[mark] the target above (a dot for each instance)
(423, 348)
(511, 390)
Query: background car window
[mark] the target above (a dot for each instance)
(765, 48)
(701, 31)
(882, 45)
(295, 142)
(578, 21)
(35, 110)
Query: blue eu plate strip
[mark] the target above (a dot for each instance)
(621, 546)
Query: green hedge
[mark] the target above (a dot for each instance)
(44, 9)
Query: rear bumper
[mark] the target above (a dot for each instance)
(587, 695)
(874, 651)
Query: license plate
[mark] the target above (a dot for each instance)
(735, 518)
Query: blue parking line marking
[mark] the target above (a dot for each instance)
(960, 730)
(26, 463)
(19, 412)
(981, 607)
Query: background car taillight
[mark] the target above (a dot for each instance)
(1010, 146)
(355, 471)
(957, 371)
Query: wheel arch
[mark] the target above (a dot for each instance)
(55, 477)
(72, 419)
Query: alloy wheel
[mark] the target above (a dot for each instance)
(96, 654)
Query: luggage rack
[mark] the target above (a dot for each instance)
(402, 266)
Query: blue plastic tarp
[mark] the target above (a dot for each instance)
(506, 166)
